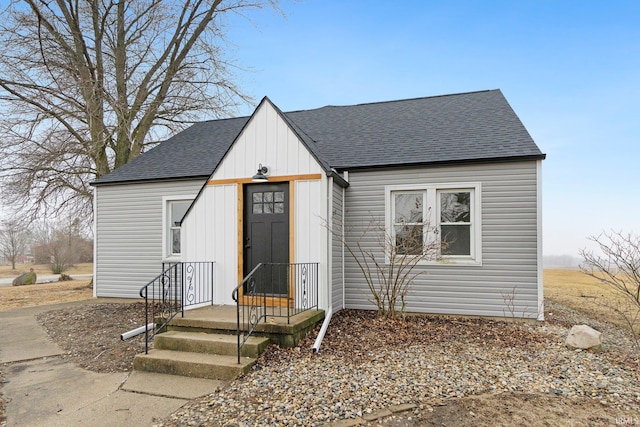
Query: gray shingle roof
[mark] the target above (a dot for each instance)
(474, 126)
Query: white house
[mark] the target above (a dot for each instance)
(461, 168)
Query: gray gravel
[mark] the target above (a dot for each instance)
(320, 389)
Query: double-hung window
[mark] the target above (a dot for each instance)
(440, 222)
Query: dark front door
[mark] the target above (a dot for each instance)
(266, 235)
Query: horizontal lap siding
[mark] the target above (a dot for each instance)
(509, 242)
(336, 250)
(129, 229)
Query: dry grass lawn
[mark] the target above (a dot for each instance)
(42, 294)
(584, 293)
(42, 270)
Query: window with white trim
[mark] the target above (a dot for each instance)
(176, 209)
(444, 216)
(454, 219)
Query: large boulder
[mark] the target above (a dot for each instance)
(19, 281)
(29, 278)
(584, 337)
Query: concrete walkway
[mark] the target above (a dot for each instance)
(42, 389)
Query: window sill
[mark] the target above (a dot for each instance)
(456, 262)
(452, 263)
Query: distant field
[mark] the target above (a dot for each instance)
(584, 293)
(43, 269)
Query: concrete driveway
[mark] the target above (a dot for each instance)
(43, 389)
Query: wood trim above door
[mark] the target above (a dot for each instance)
(282, 178)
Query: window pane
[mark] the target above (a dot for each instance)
(408, 208)
(257, 208)
(257, 197)
(455, 207)
(278, 196)
(408, 239)
(278, 208)
(268, 208)
(178, 209)
(456, 239)
(268, 196)
(175, 241)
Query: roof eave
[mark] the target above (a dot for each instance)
(148, 181)
(533, 157)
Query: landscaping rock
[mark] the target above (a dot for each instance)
(584, 337)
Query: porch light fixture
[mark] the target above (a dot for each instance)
(260, 176)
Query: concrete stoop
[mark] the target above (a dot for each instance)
(204, 345)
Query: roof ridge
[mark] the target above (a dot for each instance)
(391, 101)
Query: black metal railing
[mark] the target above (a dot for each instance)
(276, 290)
(180, 285)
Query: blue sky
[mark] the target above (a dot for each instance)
(570, 69)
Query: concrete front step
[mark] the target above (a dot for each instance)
(198, 365)
(200, 342)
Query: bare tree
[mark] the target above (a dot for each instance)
(13, 240)
(61, 246)
(617, 265)
(86, 85)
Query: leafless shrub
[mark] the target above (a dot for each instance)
(388, 267)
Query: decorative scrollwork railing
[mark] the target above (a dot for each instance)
(274, 290)
(180, 285)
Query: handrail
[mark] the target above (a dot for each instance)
(234, 294)
(275, 290)
(181, 285)
(162, 286)
(254, 314)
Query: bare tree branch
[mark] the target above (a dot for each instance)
(86, 85)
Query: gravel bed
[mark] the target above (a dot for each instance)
(420, 362)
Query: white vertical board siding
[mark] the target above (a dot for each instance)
(337, 253)
(509, 270)
(310, 231)
(210, 233)
(129, 234)
(269, 141)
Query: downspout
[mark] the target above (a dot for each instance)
(346, 178)
(323, 330)
(327, 317)
(137, 331)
